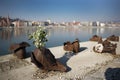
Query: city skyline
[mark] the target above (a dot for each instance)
(61, 10)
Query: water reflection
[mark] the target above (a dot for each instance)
(5, 34)
(56, 36)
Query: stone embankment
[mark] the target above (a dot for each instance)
(85, 65)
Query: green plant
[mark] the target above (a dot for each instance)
(39, 37)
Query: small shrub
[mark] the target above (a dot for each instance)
(39, 37)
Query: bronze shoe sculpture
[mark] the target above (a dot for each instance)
(74, 46)
(96, 38)
(113, 38)
(45, 60)
(19, 49)
(68, 46)
(105, 47)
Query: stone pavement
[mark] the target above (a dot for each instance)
(110, 71)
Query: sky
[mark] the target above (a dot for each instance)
(61, 10)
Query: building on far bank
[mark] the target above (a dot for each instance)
(84, 23)
(102, 24)
(5, 21)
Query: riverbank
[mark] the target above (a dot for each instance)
(80, 65)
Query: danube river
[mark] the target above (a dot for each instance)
(56, 35)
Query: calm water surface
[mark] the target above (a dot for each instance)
(56, 36)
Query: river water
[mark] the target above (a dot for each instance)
(56, 35)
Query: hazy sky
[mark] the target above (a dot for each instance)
(61, 10)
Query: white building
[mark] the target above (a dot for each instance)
(102, 24)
